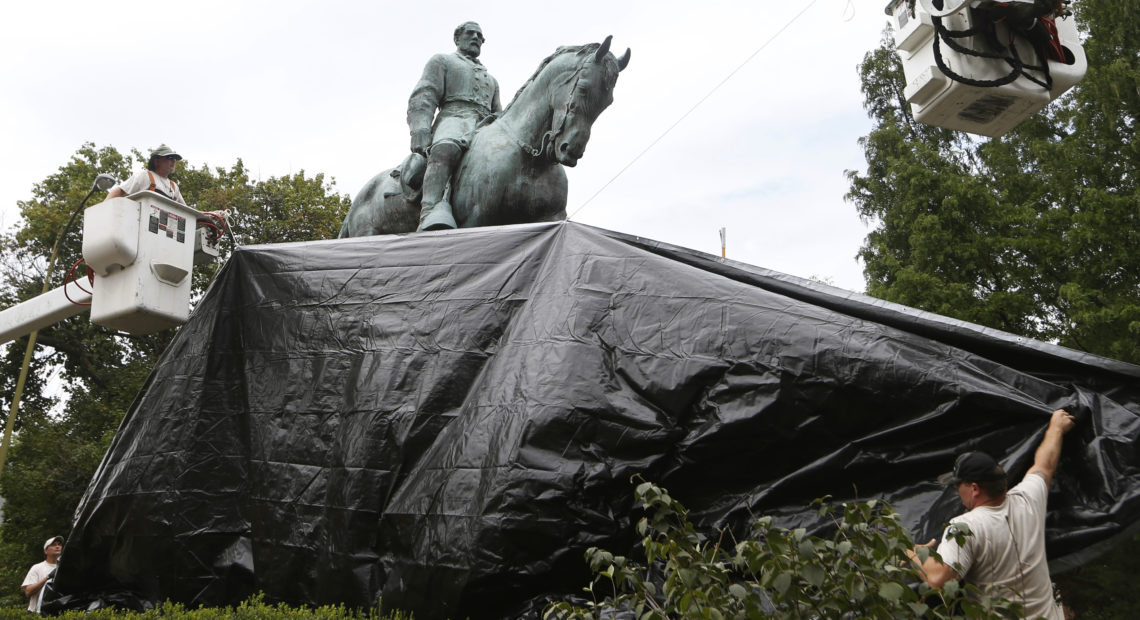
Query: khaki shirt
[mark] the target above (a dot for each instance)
(457, 86)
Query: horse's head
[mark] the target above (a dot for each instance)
(578, 100)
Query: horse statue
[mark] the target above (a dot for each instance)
(512, 173)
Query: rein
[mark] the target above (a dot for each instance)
(526, 148)
(548, 136)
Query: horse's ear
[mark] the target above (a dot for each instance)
(624, 60)
(603, 50)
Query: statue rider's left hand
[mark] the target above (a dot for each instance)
(421, 140)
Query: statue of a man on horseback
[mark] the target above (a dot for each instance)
(482, 173)
(465, 94)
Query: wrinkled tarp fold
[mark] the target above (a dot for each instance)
(449, 420)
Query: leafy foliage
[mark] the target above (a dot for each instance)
(1034, 233)
(1105, 589)
(861, 570)
(63, 432)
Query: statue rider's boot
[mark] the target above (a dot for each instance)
(436, 216)
(435, 211)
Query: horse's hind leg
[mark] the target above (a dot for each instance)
(379, 209)
(396, 216)
(358, 220)
(393, 214)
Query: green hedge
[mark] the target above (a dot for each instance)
(253, 609)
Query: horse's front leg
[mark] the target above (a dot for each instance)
(542, 197)
(553, 217)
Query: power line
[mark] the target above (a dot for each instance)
(695, 106)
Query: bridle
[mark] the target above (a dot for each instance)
(548, 137)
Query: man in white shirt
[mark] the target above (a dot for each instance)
(156, 177)
(1004, 552)
(39, 574)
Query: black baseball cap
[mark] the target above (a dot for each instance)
(973, 467)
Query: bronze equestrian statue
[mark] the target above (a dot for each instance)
(512, 170)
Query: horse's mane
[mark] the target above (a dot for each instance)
(584, 52)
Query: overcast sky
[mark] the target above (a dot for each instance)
(323, 87)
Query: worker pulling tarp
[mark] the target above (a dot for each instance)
(449, 420)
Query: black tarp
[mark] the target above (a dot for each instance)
(450, 419)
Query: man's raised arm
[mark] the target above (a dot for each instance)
(1049, 452)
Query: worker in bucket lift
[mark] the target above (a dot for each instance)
(156, 177)
(1004, 551)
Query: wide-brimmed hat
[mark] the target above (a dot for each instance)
(51, 541)
(973, 467)
(164, 151)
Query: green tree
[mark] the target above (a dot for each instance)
(62, 436)
(1035, 232)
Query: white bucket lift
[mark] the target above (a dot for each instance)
(142, 251)
(967, 69)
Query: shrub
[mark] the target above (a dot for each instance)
(255, 608)
(860, 571)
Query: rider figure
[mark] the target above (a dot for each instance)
(459, 87)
